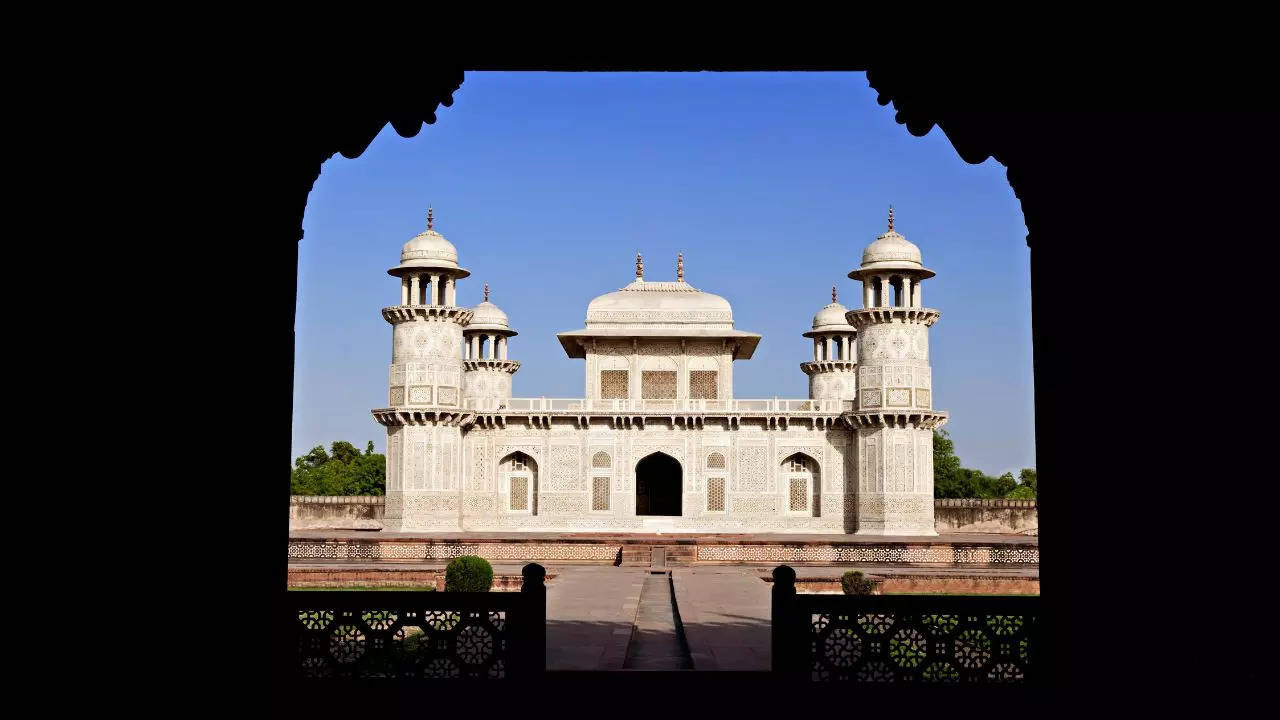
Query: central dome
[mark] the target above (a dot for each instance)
(659, 304)
(660, 311)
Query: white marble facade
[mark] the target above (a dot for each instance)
(657, 441)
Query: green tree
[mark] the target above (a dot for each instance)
(945, 461)
(947, 481)
(343, 470)
(1028, 477)
(1003, 485)
(952, 480)
(1022, 492)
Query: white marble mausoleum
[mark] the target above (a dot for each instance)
(658, 442)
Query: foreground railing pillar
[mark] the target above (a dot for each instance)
(784, 640)
(534, 590)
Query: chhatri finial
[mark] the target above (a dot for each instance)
(833, 293)
(431, 220)
(486, 292)
(680, 267)
(890, 218)
(639, 267)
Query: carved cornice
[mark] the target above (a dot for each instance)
(508, 366)
(392, 417)
(826, 366)
(921, 419)
(397, 314)
(864, 317)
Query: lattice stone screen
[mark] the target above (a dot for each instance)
(715, 461)
(658, 384)
(702, 384)
(799, 496)
(613, 384)
(520, 493)
(715, 494)
(601, 460)
(600, 493)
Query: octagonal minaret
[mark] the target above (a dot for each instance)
(424, 397)
(487, 373)
(894, 415)
(832, 372)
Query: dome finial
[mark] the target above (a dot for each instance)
(431, 220)
(486, 292)
(639, 267)
(890, 218)
(833, 293)
(679, 267)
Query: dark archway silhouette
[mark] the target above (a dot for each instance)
(1090, 145)
(659, 478)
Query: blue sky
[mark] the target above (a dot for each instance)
(771, 184)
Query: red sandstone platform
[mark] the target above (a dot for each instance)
(967, 550)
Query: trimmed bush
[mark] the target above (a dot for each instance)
(468, 573)
(855, 583)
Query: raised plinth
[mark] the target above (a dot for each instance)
(407, 313)
(958, 550)
(879, 315)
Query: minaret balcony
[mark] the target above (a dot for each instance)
(408, 313)
(863, 317)
(905, 418)
(815, 367)
(509, 366)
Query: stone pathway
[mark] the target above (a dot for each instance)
(590, 614)
(656, 643)
(594, 614)
(726, 616)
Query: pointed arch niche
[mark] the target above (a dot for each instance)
(518, 483)
(801, 481)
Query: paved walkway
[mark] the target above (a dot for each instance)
(591, 611)
(726, 617)
(656, 643)
(590, 614)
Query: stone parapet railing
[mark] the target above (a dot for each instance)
(984, 503)
(917, 640)
(596, 405)
(296, 500)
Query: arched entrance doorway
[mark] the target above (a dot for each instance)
(658, 485)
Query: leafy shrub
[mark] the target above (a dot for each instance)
(468, 573)
(855, 583)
